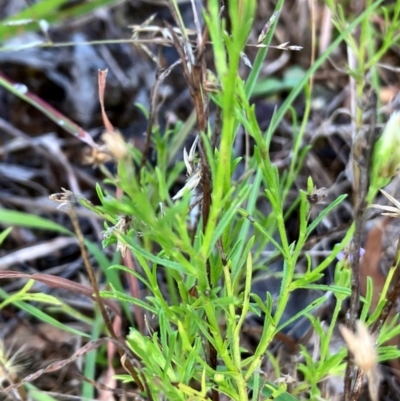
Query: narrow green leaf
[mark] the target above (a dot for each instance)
(13, 217)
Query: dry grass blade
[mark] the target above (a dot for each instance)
(389, 210)
(102, 86)
(104, 388)
(35, 251)
(90, 346)
(22, 92)
(60, 282)
(153, 111)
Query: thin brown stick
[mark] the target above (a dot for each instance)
(361, 155)
(90, 271)
(152, 120)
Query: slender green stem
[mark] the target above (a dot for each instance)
(328, 337)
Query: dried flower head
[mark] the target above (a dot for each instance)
(246, 60)
(285, 379)
(211, 83)
(362, 346)
(389, 210)
(115, 144)
(65, 198)
(98, 156)
(317, 196)
(123, 225)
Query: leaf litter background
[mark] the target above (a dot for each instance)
(38, 157)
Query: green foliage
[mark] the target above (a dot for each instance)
(291, 79)
(21, 298)
(50, 11)
(4, 234)
(38, 395)
(13, 217)
(209, 267)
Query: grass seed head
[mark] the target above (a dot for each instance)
(9, 369)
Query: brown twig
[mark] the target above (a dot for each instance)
(93, 282)
(361, 154)
(152, 120)
(69, 199)
(55, 366)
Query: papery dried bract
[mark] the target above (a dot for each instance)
(246, 60)
(392, 211)
(97, 157)
(362, 345)
(317, 196)
(123, 225)
(193, 172)
(115, 144)
(65, 198)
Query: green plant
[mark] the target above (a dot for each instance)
(209, 264)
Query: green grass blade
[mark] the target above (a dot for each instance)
(13, 217)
